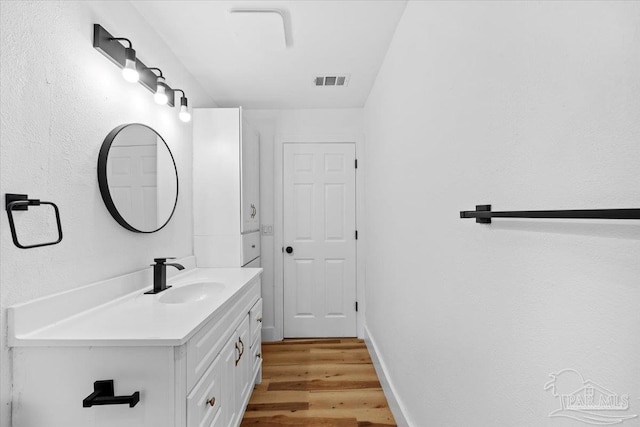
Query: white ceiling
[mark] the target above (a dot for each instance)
(325, 37)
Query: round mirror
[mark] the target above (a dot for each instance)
(138, 178)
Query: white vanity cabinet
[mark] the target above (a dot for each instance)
(204, 382)
(226, 188)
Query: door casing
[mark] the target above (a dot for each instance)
(277, 333)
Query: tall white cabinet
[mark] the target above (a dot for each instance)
(226, 188)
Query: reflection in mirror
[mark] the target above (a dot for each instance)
(138, 178)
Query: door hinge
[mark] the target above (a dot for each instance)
(356, 163)
(356, 234)
(356, 305)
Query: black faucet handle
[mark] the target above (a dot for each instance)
(162, 260)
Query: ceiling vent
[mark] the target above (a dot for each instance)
(332, 80)
(260, 29)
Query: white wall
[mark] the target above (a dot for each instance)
(60, 98)
(272, 125)
(524, 105)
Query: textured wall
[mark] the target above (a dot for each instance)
(523, 105)
(60, 98)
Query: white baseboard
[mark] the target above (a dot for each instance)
(397, 409)
(269, 334)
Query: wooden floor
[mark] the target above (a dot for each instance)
(318, 383)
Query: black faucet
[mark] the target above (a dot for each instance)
(160, 274)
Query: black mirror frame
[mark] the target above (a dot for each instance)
(104, 185)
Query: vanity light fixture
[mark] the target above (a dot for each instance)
(184, 114)
(126, 58)
(129, 71)
(160, 96)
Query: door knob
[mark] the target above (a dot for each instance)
(289, 250)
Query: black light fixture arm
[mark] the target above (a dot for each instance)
(123, 39)
(483, 214)
(183, 98)
(156, 69)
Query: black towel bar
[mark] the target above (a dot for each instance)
(483, 214)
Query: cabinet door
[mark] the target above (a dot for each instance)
(250, 149)
(204, 401)
(229, 405)
(245, 364)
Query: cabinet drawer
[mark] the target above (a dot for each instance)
(204, 401)
(250, 247)
(255, 320)
(256, 356)
(205, 345)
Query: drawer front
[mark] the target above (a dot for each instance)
(256, 356)
(205, 345)
(204, 401)
(255, 319)
(250, 247)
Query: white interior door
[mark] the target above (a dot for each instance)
(319, 230)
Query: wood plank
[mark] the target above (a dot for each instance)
(295, 341)
(282, 420)
(312, 346)
(317, 357)
(322, 385)
(279, 396)
(278, 406)
(343, 372)
(341, 399)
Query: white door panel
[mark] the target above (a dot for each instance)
(319, 225)
(132, 173)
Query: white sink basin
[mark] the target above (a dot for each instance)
(191, 293)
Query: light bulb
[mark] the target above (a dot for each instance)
(161, 93)
(129, 71)
(184, 115)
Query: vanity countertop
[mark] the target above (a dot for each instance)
(137, 319)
